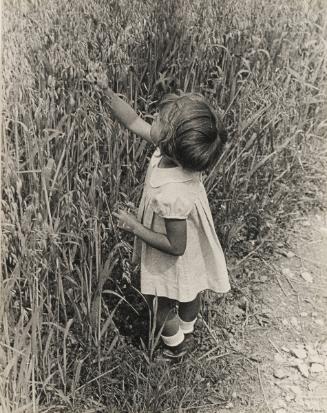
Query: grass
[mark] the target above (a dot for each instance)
(67, 299)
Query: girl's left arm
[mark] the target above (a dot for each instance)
(124, 113)
(174, 242)
(127, 115)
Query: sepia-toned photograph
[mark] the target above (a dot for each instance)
(163, 206)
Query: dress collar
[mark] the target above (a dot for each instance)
(162, 176)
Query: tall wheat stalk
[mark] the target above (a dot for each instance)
(66, 164)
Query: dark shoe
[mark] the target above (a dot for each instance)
(174, 354)
(178, 353)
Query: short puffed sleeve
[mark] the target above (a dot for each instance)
(171, 201)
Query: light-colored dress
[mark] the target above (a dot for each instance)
(178, 193)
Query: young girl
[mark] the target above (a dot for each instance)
(174, 230)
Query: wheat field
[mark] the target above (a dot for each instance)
(67, 165)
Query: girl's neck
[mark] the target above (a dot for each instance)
(167, 163)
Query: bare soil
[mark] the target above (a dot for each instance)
(287, 355)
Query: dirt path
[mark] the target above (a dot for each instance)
(291, 376)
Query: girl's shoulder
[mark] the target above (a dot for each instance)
(173, 200)
(174, 192)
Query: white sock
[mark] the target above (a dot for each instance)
(174, 340)
(186, 326)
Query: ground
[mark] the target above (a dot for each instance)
(261, 348)
(287, 369)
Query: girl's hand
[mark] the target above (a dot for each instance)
(101, 80)
(98, 77)
(126, 221)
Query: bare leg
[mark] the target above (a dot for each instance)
(165, 315)
(188, 311)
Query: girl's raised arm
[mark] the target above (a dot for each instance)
(119, 108)
(127, 115)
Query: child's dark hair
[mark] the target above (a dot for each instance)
(192, 134)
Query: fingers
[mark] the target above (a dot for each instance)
(118, 215)
(122, 219)
(98, 78)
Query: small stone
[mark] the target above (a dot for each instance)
(313, 385)
(323, 348)
(229, 405)
(307, 276)
(287, 254)
(323, 230)
(198, 378)
(294, 321)
(315, 359)
(285, 322)
(304, 370)
(299, 400)
(287, 272)
(304, 314)
(293, 362)
(290, 254)
(320, 322)
(279, 404)
(243, 303)
(289, 397)
(313, 405)
(279, 358)
(316, 368)
(278, 389)
(286, 349)
(299, 353)
(311, 351)
(306, 223)
(281, 373)
(234, 395)
(296, 390)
